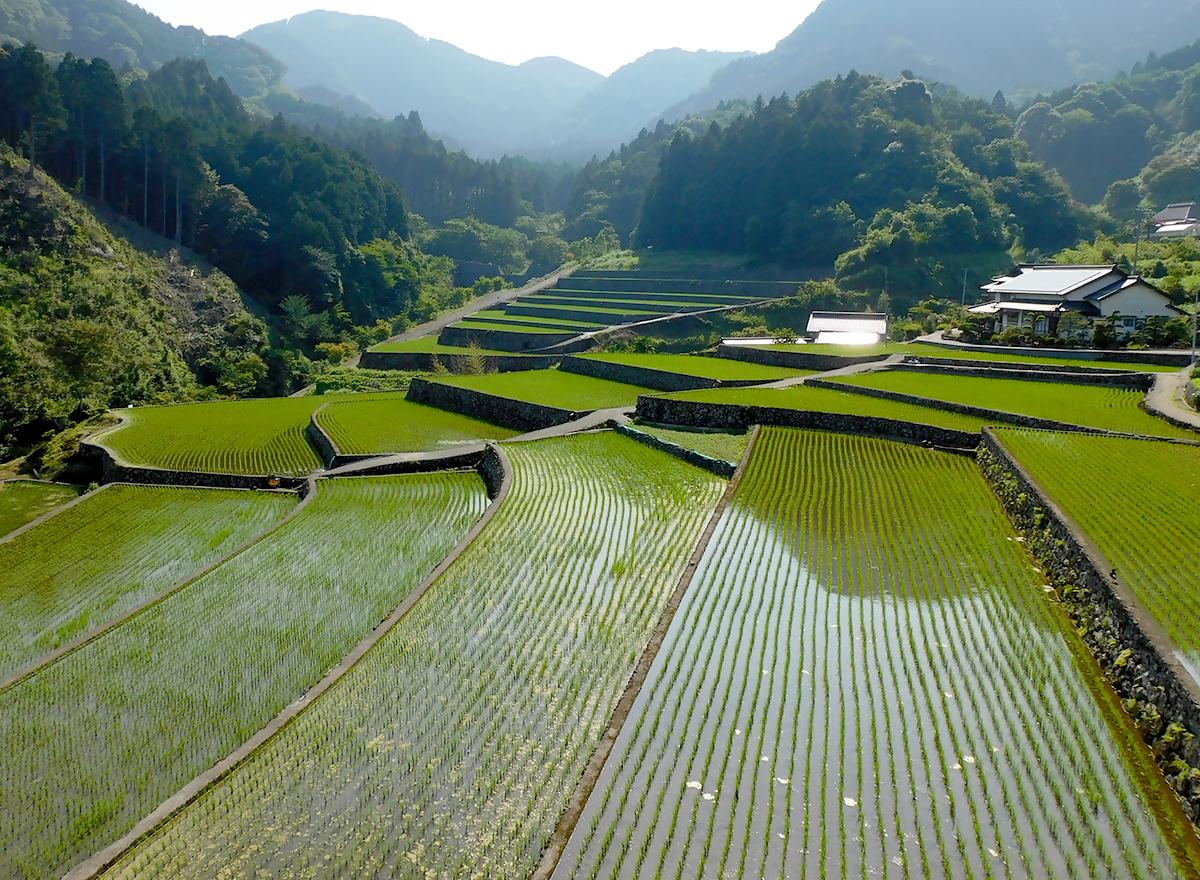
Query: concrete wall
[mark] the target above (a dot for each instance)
(793, 359)
(644, 376)
(669, 411)
(717, 466)
(1130, 647)
(419, 362)
(515, 414)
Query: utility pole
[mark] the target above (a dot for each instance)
(964, 296)
(1195, 326)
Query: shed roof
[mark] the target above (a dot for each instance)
(848, 322)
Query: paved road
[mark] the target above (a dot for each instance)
(1166, 398)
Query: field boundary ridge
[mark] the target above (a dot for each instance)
(699, 414)
(306, 493)
(1133, 649)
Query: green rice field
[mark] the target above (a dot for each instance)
(1089, 406)
(493, 327)
(704, 367)
(569, 391)
(430, 345)
(97, 740)
(517, 320)
(452, 748)
(917, 349)
(1143, 514)
(375, 426)
(827, 400)
(866, 680)
(23, 501)
(55, 586)
(721, 445)
(227, 436)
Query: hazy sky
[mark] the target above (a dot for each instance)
(602, 36)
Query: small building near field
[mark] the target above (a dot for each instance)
(1038, 296)
(1179, 220)
(847, 328)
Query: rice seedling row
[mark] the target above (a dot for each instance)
(865, 679)
(1137, 500)
(1090, 406)
(452, 748)
(369, 426)
(828, 400)
(570, 391)
(23, 501)
(98, 739)
(84, 568)
(721, 445)
(229, 436)
(705, 367)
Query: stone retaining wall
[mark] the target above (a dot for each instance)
(515, 414)
(1138, 381)
(690, 413)
(114, 471)
(636, 281)
(1129, 645)
(424, 362)
(644, 376)
(491, 469)
(793, 359)
(395, 465)
(580, 314)
(718, 466)
(1016, 366)
(960, 408)
(1116, 357)
(501, 340)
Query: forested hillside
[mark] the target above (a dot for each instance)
(899, 187)
(88, 321)
(124, 34)
(1141, 132)
(1020, 46)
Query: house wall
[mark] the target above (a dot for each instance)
(1138, 301)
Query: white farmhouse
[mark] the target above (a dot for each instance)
(1037, 296)
(1179, 220)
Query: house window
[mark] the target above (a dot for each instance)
(1129, 323)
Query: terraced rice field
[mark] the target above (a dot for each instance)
(866, 680)
(1142, 513)
(368, 427)
(522, 320)
(452, 748)
(122, 546)
(569, 391)
(828, 400)
(917, 349)
(97, 740)
(23, 501)
(228, 436)
(1090, 406)
(703, 367)
(493, 327)
(430, 345)
(721, 445)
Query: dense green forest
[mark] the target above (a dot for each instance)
(126, 35)
(87, 320)
(1133, 143)
(898, 186)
